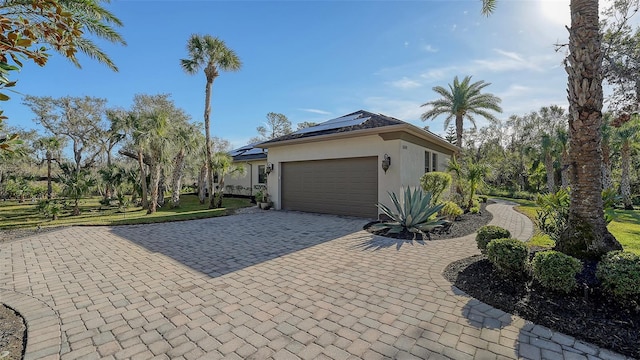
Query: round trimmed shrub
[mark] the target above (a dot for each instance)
(508, 255)
(488, 233)
(555, 270)
(451, 210)
(619, 272)
(475, 210)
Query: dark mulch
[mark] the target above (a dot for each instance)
(12, 334)
(586, 314)
(465, 224)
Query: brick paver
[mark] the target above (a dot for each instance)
(260, 285)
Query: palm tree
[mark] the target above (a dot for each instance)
(76, 184)
(562, 144)
(462, 101)
(547, 154)
(187, 139)
(223, 166)
(475, 175)
(605, 146)
(626, 134)
(586, 235)
(211, 54)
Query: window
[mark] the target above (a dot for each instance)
(262, 174)
(434, 161)
(427, 162)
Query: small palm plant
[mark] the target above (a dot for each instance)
(414, 213)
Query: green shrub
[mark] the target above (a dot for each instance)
(553, 215)
(619, 272)
(555, 270)
(475, 210)
(508, 255)
(435, 183)
(483, 198)
(451, 210)
(488, 233)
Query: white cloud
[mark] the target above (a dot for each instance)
(404, 110)
(508, 61)
(405, 83)
(316, 111)
(429, 48)
(454, 27)
(438, 74)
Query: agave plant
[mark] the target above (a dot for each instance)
(413, 213)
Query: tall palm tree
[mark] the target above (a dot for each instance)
(605, 146)
(462, 101)
(547, 154)
(211, 54)
(187, 139)
(562, 144)
(586, 235)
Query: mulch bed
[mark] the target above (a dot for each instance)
(465, 224)
(587, 313)
(12, 334)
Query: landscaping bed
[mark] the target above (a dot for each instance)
(12, 334)
(586, 313)
(465, 224)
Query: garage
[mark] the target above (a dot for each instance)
(346, 186)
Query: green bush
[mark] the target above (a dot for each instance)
(555, 270)
(488, 233)
(483, 198)
(435, 183)
(475, 210)
(619, 272)
(508, 255)
(553, 215)
(451, 210)
(413, 213)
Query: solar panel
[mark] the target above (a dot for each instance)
(344, 121)
(246, 150)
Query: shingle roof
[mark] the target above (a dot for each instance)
(369, 121)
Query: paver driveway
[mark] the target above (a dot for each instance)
(265, 285)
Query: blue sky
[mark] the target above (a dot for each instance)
(316, 60)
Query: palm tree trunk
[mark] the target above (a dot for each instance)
(586, 235)
(207, 132)
(625, 184)
(548, 165)
(607, 183)
(202, 180)
(564, 170)
(176, 179)
(154, 182)
(143, 180)
(459, 129)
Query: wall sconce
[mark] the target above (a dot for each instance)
(269, 168)
(386, 162)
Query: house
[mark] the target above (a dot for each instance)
(345, 166)
(254, 161)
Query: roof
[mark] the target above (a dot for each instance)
(358, 122)
(248, 152)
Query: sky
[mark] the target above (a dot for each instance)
(317, 60)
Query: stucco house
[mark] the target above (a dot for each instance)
(254, 162)
(345, 166)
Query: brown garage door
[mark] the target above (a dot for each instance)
(339, 186)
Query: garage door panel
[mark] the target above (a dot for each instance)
(338, 186)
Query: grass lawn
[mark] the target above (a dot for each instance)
(14, 215)
(625, 226)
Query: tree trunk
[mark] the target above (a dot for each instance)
(202, 184)
(162, 188)
(49, 187)
(154, 181)
(564, 169)
(108, 189)
(586, 235)
(207, 132)
(459, 129)
(143, 180)
(607, 183)
(548, 165)
(625, 184)
(176, 179)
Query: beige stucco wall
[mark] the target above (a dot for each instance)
(250, 177)
(412, 163)
(363, 146)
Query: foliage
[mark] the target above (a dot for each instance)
(509, 256)
(474, 210)
(50, 208)
(14, 215)
(555, 270)
(463, 100)
(483, 198)
(489, 232)
(610, 198)
(475, 175)
(619, 272)
(451, 210)
(414, 213)
(553, 215)
(76, 184)
(277, 125)
(435, 183)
